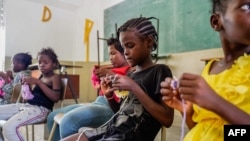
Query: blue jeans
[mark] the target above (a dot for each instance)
(80, 115)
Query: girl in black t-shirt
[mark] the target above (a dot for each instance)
(142, 112)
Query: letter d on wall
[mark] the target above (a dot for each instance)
(46, 14)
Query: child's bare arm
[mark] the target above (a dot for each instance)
(163, 114)
(55, 93)
(157, 110)
(4, 76)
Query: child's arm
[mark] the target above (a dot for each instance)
(53, 94)
(157, 110)
(229, 112)
(195, 89)
(171, 97)
(105, 88)
(4, 76)
(9, 75)
(103, 70)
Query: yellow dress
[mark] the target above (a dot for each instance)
(233, 85)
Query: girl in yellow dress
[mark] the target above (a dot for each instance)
(221, 94)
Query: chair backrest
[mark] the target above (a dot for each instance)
(65, 86)
(16, 93)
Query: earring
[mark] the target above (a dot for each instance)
(218, 28)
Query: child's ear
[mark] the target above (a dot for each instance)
(150, 41)
(215, 22)
(55, 66)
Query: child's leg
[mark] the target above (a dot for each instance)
(30, 114)
(8, 110)
(76, 136)
(88, 115)
(50, 118)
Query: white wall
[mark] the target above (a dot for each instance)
(25, 32)
(2, 37)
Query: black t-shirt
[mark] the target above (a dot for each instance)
(132, 122)
(40, 99)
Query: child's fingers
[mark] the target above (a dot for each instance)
(189, 76)
(166, 83)
(165, 92)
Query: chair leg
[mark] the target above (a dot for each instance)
(27, 132)
(163, 134)
(46, 132)
(33, 133)
(52, 131)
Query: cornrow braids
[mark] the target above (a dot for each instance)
(144, 27)
(116, 43)
(219, 6)
(50, 53)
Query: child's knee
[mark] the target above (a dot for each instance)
(8, 129)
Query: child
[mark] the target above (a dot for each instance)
(221, 94)
(46, 91)
(142, 113)
(21, 62)
(98, 112)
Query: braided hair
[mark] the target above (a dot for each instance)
(51, 54)
(143, 26)
(219, 6)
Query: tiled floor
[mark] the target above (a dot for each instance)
(172, 134)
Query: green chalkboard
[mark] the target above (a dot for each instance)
(183, 24)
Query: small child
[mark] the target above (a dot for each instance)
(20, 62)
(46, 91)
(141, 114)
(221, 94)
(89, 114)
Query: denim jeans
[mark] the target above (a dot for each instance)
(80, 115)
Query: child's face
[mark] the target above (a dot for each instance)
(136, 49)
(236, 21)
(17, 66)
(116, 58)
(45, 64)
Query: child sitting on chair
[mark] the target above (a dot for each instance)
(47, 90)
(20, 63)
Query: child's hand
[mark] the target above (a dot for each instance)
(102, 71)
(4, 76)
(120, 82)
(106, 86)
(30, 80)
(170, 95)
(195, 89)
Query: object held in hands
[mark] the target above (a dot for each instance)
(26, 93)
(119, 93)
(174, 84)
